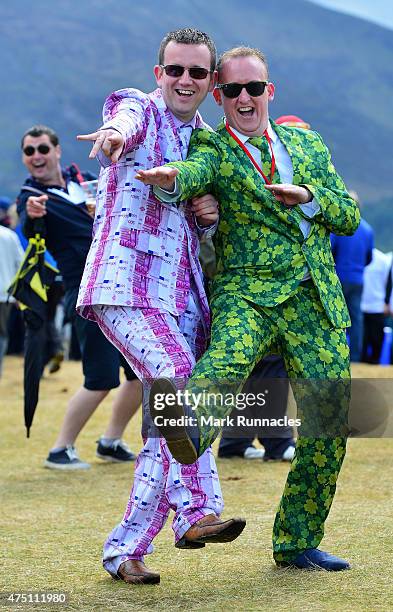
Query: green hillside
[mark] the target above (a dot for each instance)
(60, 59)
(379, 215)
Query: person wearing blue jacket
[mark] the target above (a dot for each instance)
(351, 255)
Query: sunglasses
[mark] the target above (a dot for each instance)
(253, 88)
(42, 148)
(175, 71)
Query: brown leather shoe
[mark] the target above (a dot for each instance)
(209, 530)
(179, 442)
(136, 572)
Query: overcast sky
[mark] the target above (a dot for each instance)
(379, 11)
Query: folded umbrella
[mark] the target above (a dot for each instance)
(30, 288)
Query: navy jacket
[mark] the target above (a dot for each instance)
(67, 228)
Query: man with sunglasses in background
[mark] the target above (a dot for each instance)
(54, 196)
(275, 288)
(143, 285)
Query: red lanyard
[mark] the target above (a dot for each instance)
(247, 152)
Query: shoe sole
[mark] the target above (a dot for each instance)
(311, 568)
(65, 466)
(113, 459)
(227, 535)
(139, 579)
(184, 544)
(177, 438)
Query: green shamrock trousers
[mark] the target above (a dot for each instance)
(316, 356)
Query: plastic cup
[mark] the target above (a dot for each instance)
(90, 189)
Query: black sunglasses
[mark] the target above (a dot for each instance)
(253, 88)
(42, 148)
(174, 70)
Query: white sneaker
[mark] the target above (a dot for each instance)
(289, 454)
(254, 453)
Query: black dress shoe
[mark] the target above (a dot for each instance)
(176, 435)
(210, 530)
(136, 572)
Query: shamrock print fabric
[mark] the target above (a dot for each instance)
(261, 251)
(317, 361)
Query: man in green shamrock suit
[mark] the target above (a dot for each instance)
(275, 289)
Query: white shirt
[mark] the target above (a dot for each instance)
(184, 131)
(374, 282)
(11, 255)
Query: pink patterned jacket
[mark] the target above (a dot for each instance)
(144, 252)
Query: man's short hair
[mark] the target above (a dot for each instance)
(189, 36)
(39, 130)
(241, 51)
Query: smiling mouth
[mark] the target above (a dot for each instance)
(184, 93)
(39, 165)
(246, 111)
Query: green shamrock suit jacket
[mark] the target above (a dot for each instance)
(261, 251)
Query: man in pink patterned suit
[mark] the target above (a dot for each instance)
(143, 286)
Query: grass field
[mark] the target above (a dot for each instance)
(53, 524)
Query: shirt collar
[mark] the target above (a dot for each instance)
(179, 124)
(243, 138)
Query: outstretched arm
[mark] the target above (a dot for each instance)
(109, 141)
(204, 207)
(194, 177)
(125, 115)
(161, 176)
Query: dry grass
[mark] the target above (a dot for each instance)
(55, 523)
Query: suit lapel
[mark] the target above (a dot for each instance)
(167, 136)
(254, 183)
(294, 143)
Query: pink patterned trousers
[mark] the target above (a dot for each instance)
(156, 343)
